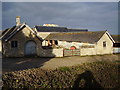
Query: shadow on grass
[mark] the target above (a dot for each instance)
(86, 80)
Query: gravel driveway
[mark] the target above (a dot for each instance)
(15, 64)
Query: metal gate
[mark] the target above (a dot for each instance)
(69, 52)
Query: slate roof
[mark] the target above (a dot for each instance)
(57, 29)
(0, 32)
(86, 37)
(116, 38)
(10, 32)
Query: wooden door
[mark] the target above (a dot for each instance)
(30, 48)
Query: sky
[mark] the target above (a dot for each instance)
(0, 15)
(94, 16)
(60, 0)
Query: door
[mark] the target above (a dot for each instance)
(30, 48)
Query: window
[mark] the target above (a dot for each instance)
(104, 44)
(14, 44)
(56, 42)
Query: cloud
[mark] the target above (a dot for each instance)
(0, 16)
(93, 16)
(60, 1)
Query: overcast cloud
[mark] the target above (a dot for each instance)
(90, 15)
(60, 0)
(0, 15)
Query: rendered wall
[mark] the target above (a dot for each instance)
(87, 51)
(67, 45)
(52, 52)
(116, 50)
(104, 50)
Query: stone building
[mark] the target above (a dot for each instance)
(45, 41)
(20, 40)
(101, 41)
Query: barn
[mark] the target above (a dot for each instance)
(20, 40)
(46, 41)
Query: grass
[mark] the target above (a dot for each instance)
(64, 68)
(103, 74)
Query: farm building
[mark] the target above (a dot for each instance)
(116, 45)
(44, 31)
(47, 41)
(89, 43)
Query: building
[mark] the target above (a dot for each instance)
(47, 41)
(20, 40)
(116, 44)
(44, 31)
(100, 41)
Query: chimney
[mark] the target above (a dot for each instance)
(17, 20)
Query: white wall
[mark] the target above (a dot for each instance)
(104, 50)
(43, 34)
(116, 50)
(87, 51)
(69, 44)
(52, 52)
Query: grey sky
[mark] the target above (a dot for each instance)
(90, 15)
(60, 0)
(0, 15)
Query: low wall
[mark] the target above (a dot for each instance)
(52, 52)
(116, 50)
(87, 51)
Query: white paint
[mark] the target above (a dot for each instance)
(87, 51)
(116, 50)
(52, 52)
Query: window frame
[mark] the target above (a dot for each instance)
(14, 44)
(104, 44)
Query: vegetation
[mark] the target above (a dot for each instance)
(88, 75)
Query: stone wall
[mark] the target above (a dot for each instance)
(21, 37)
(52, 52)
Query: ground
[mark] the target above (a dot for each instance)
(16, 64)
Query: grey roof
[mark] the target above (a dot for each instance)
(57, 29)
(0, 32)
(116, 38)
(10, 32)
(87, 37)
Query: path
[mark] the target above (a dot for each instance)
(15, 64)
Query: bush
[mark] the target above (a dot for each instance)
(97, 74)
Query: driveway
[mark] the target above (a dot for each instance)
(15, 64)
